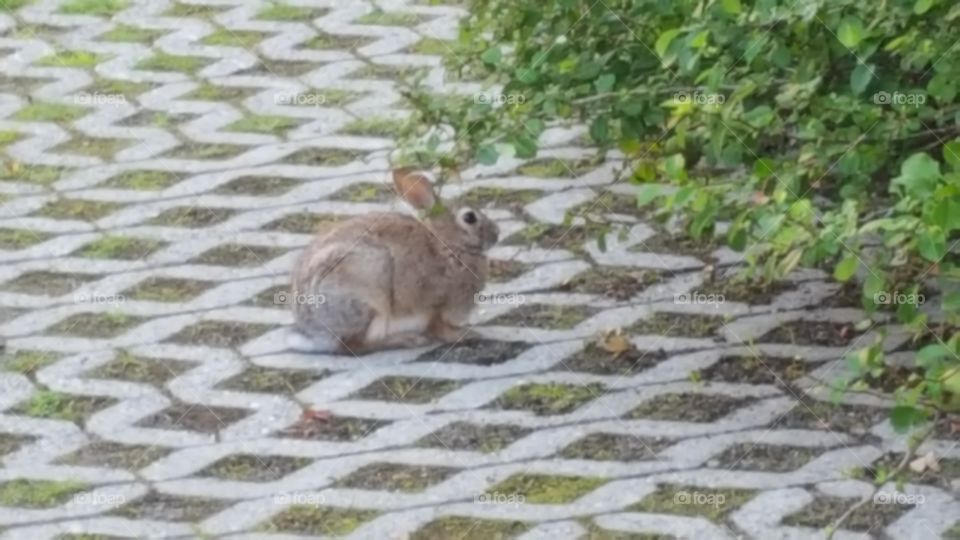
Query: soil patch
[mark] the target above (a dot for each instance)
(618, 283)
(687, 407)
(758, 370)
(547, 398)
(823, 333)
(476, 437)
(478, 352)
(396, 477)
(766, 457)
(594, 359)
(614, 447)
(406, 389)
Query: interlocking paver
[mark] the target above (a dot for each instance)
(162, 164)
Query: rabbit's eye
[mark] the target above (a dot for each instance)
(469, 218)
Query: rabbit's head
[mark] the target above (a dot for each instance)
(464, 228)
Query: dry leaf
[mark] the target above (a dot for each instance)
(615, 343)
(924, 463)
(314, 415)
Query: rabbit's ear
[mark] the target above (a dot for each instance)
(415, 188)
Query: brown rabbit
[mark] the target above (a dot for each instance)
(392, 280)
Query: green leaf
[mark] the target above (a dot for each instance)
(675, 167)
(927, 356)
(860, 77)
(850, 32)
(492, 56)
(605, 82)
(932, 247)
(587, 71)
(903, 417)
(846, 268)
(487, 155)
(599, 129)
(919, 175)
(922, 6)
(951, 154)
(664, 41)
(951, 302)
(648, 193)
(732, 7)
(524, 146)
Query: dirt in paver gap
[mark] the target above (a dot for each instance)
(614, 447)
(823, 333)
(194, 417)
(162, 507)
(192, 217)
(275, 297)
(713, 504)
(323, 157)
(594, 359)
(225, 334)
(612, 282)
(855, 419)
(765, 457)
(595, 532)
(758, 369)
(161, 289)
(687, 407)
(48, 283)
(364, 192)
(555, 317)
(479, 352)
(238, 255)
(501, 271)
(557, 168)
(755, 294)
(334, 428)
(491, 197)
(395, 477)
(318, 520)
(147, 118)
(824, 510)
(95, 325)
(115, 455)
(547, 398)
(468, 528)
(11, 239)
(10, 442)
(570, 238)
(895, 377)
(26, 362)
(477, 437)
(610, 203)
(304, 223)
(153, 371)
(680, 325)
(545, 488)
(254, 468)
(850, 295)
(258, 185)
(679, 244)
(887, 463)
(272, 381)
(406, 389)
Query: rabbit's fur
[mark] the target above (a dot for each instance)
(391, 280)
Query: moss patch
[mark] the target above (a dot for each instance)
(201, 11)
(758, 370)
(614, 447)
(161, 61)
(120, 247)
(207, 151)
(335, 428)
(210, 92)
(556, 168)
(78, 209)
(617, 283)
(406, 389)
(143, 180)
(38, 493)
(41, 175)
(514, 199)
(54, 405)
(545, 316)
(12, 5)
(711, 503)
(105, 8)
(386, 71)
(8, 137)
(323, 157)
(824, 510)
(160, 507)
(595, 532)
(47, 283)
(118, 87)
(547, 236)
(476, 437)
(466, 528)
(475, 352)
(389, 18)
(192, 217)
(26, 362)
(766, 457)
(303, 222)
(687, 407)
(78, 59)
(364, 193)
(205, 419)
(90, 146)
(279, 11)
(827, 334)
(239, 255)
(95, 325)
(234, 38)
(253, 468)
(115, 456)
(272, 381)
(43, 111)
(128, 367)
(20, 238)
(130, 34)
(374, 127)
(268, 67)
(594, 359)
(160, 289)
(266, 124)
(339, 42)
(734, 290)
(432, 46)
(318, 520)
(547, 398)
(396, 477)
(547, 489)
(680, 325)
(258, 185)
(219, 333)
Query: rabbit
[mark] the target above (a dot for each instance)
(390, 280)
